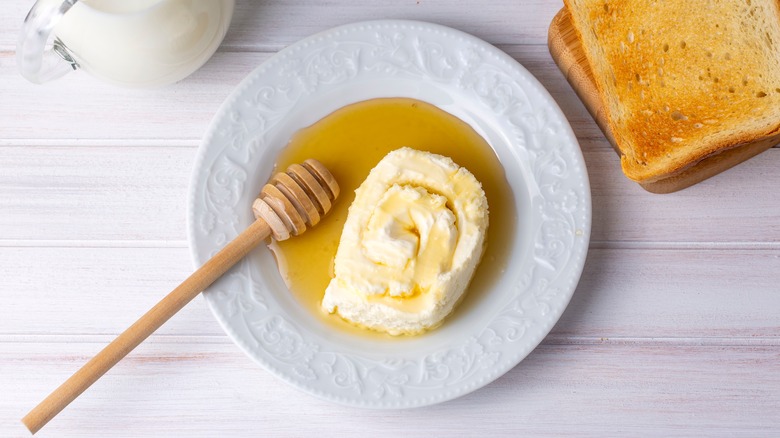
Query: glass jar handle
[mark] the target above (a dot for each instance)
(37, 63)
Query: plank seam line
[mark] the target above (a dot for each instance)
(23, 243)
(551, 340)
(594, 245)
(184, 143)
(662, 341)
(690, 245)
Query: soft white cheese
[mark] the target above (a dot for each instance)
(411, 242)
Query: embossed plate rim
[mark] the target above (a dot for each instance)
(450, 69)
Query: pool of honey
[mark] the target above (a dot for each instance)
(350, 142)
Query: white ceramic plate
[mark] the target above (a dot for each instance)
(462, 75)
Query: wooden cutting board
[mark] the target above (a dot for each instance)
(567, 52)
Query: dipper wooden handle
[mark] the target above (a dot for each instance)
(288, 204)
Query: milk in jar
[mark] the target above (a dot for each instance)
(143, 43)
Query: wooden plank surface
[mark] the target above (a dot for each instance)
(131, 193)
(186, 387)
(674, 329)
(181, 114)
(99, 291)
(271, 25)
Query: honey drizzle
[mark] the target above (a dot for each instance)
(350, 142)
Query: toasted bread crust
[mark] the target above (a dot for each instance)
(678, 85)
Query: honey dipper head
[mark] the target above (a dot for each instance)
(296, 199)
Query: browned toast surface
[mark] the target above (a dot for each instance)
(681, 81)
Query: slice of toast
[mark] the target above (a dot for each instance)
(682, 81)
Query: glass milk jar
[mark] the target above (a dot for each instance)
(133, 43)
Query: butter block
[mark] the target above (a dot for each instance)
(412, 240)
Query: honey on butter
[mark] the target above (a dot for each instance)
(411, 242)
(350, 142)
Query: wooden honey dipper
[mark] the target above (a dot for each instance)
(287, 205)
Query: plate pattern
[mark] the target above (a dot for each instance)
(541, 141)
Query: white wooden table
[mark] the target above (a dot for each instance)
(673, 330)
